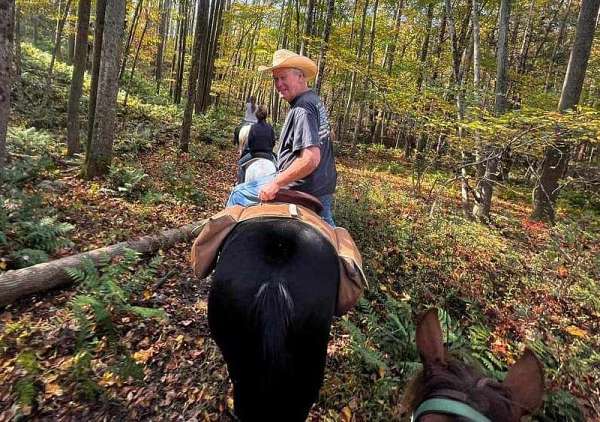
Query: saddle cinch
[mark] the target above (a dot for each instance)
(298, 206)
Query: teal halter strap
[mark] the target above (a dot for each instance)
(450, 407)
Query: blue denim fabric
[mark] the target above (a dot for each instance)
(327, 213)
(246, 194)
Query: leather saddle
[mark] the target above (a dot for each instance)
(290, 196)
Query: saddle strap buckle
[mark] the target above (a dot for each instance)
(293, 210)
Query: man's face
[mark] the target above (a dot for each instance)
(289, 83)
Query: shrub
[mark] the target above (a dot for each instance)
(104, 296)
(130, 182)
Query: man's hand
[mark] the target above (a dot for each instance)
(305, 164)
(269, 191)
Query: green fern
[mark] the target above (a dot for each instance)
(46, 234)
(27, 257)
(26, 391)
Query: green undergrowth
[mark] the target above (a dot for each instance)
(90, 334)
(30, 231)
(493, 282)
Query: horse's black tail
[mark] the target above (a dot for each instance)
(273, 310)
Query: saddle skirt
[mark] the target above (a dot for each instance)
(208, 243)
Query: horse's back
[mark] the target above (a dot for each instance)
(270, 310)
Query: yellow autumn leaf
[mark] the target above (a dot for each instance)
(142, 356)
(576, 331)
(53, 389)
(66, 364)
(2, 265)
(147, 294)
(381, 372)
(346, 414)
(108, 379)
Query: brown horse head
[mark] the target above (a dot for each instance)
(449, 390)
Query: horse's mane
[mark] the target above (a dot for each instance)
(487, 396)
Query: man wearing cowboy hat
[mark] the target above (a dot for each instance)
(305, 159)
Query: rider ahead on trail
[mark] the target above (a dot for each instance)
(305, 160)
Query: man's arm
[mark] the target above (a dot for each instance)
(305, 164)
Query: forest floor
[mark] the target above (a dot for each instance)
(502, 287)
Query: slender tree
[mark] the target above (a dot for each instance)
(135, 58)
(99, 155)
(353, 81)
(81, 46)
(97, 55)
(307, 27)
(556, 157)
(17, 41)
(6, 39)
(556, 52)
(132, 29)
(324, 45)
(425, 48)
(502, 58)
(165, 10)
(200, 46)
(488, 155)
(58, 38)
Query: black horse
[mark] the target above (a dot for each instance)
(270, 308)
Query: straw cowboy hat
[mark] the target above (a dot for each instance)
(287, 59)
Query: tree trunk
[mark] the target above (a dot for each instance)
(438, 47)
(17, 42)
(55, 50)
(135, 59)
(99, 156)
(425, 48)
(580, 54)
(134, 23)
(49, 275)
(182, 50)
(307, 28)
(324, 45)
(556, 157)
(476, 48)
(81, 46)
(485, 185)
(200, 46)
(458, 75)
(6, 48)
(557, 49)
(390, 52)
(353, 78)
(163, 35)
(502, 58)
(36, 30)
(206, 69)
(97, 54)
(526, 40)
(70, 45)
(361, 109)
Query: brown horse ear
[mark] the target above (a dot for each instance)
(525, 380)
(429, 338)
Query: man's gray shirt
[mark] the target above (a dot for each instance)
(306, 125)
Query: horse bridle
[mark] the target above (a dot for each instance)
(448, 402)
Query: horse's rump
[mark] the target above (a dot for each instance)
(270, 310)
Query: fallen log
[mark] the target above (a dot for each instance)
(48, 275)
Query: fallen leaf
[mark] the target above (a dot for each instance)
(53, 389)
(346, 414)
(576, 331)
(562, 272)
(142, 356)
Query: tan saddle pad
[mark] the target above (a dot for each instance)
(352, 278)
